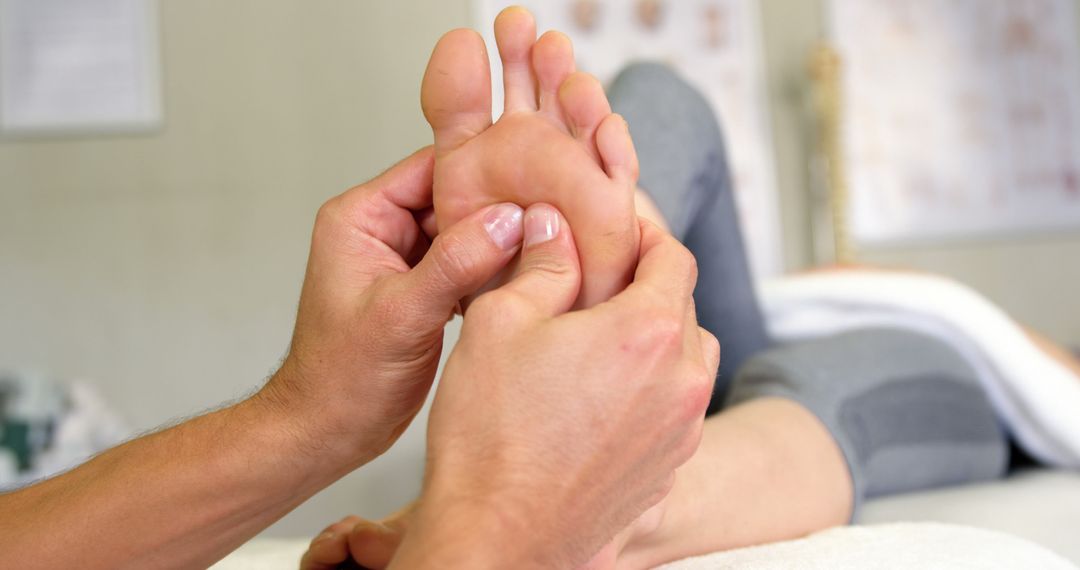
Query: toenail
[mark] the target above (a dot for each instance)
(541, 224)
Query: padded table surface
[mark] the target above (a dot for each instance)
(1042, 506)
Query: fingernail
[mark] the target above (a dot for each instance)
(541, 224)
(503, 224)
(327, 535)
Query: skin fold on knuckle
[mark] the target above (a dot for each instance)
(335, 233)
(698, 391)
(390, 320)
(552, 266)
(330, 213)
(660, 331)
(455, 261)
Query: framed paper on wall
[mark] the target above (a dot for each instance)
(961, 119)
(79, 66)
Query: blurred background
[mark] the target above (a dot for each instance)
(159, 261)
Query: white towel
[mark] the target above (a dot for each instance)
(1037, 398)
(887, 547)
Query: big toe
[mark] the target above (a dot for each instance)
(456, 92)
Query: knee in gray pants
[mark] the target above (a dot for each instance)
(906, 410)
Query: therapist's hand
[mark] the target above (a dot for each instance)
(376, 297)
(552, 431)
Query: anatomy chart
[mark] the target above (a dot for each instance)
(716, 45)
(962, 117)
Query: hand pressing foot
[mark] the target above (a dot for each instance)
(556, 142)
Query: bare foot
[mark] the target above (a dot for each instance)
(557, 142)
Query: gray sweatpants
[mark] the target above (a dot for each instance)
(907, 412)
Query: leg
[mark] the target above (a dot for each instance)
(767, 470)
(684, 171)
(816, 427)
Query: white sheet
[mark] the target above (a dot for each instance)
(903, 545)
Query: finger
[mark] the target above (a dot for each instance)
(330, 547)
(376, 216)
(548, 278)
(407, 184)
(426, 220)
(459, 262)
(374, 544)
(666, 272)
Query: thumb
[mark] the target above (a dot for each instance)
(549, 275)
(462, 259)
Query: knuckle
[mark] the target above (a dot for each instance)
(330, 213)
(550, 266)
(453, 260)
(662, 331)
(699, 392)
(690, 443)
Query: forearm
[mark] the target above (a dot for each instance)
(183, 497)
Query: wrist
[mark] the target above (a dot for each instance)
(453, 531)
(302, 431)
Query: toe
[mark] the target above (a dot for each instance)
(515, 33)
(553, 62)
(617, 149)
(456, 92)
(585, 106)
